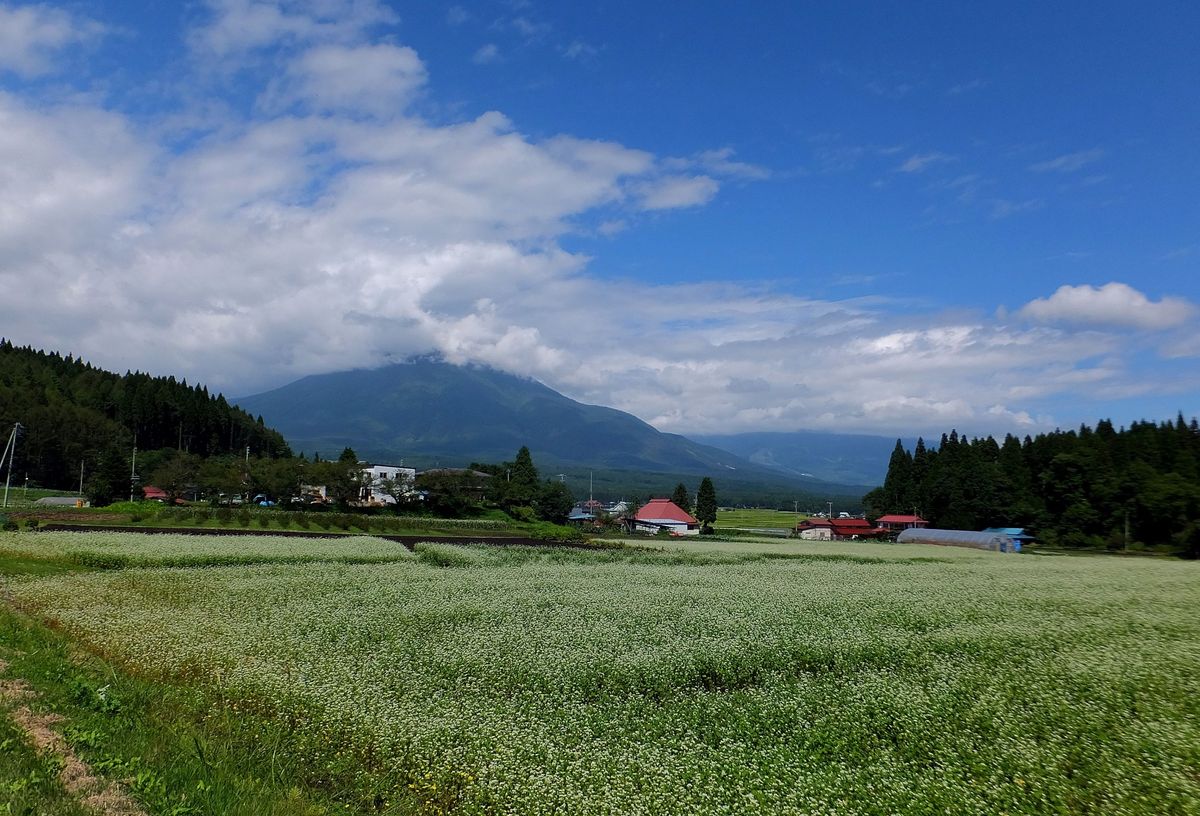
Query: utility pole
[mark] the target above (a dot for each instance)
(80, 477)
(10, 451)
(133, 472)
(830, 504)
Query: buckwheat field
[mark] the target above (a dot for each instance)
(792, 678)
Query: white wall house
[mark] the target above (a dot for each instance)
(374, 475)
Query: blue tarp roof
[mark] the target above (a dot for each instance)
(1011, 532)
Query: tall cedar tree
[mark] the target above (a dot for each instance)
(682, 498)
(522, 486)
(706, 504)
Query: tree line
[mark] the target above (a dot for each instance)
(75, 416)
(1101, 487)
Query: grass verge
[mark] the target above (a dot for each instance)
(176, 751)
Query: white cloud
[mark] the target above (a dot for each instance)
(920, 162)
(486, 54)
(721, 163)
(1003, 208)
(307, 236)
(672, 192)
(377, 79)
(1069, 162)
(1111, 305)
(32, 36)
(238, 26)
(579, 50)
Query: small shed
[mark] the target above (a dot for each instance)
(1017, 537)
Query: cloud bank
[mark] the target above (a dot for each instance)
(331, 225)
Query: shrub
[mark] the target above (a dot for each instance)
(545, 531)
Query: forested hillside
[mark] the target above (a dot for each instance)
(74, 413)
(1099, 487)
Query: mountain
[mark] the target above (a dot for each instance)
(429, 412)
(834, 457)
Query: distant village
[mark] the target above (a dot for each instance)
(383, 485)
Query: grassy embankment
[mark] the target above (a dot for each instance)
(172, 750)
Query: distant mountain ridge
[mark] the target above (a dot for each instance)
(833, 457)
(426, 411)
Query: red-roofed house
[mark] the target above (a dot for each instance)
(664, 514)
(822, 529)
(897, 523)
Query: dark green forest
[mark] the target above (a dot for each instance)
(75, 414)
(1101, 488)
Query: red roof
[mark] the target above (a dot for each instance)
(893, 519)
(840, 528)
(152, 492)
(851, 523)
(660, 509)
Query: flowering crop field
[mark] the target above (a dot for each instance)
(114, 550)
(794, 677)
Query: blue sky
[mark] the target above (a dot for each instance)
(877, 217)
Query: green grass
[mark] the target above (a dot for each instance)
(179, 752)
(685, 676)
(29, 783)
(755, 518)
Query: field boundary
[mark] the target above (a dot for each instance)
(408, 540)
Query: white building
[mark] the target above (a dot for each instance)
(374, 477)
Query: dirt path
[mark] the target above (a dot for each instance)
(103, 797)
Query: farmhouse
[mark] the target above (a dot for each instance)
(896, 523)
(664, 514)
(839, 529)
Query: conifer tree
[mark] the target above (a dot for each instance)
(681, 498)
(706, 505)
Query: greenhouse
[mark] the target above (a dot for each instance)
(957, 538)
